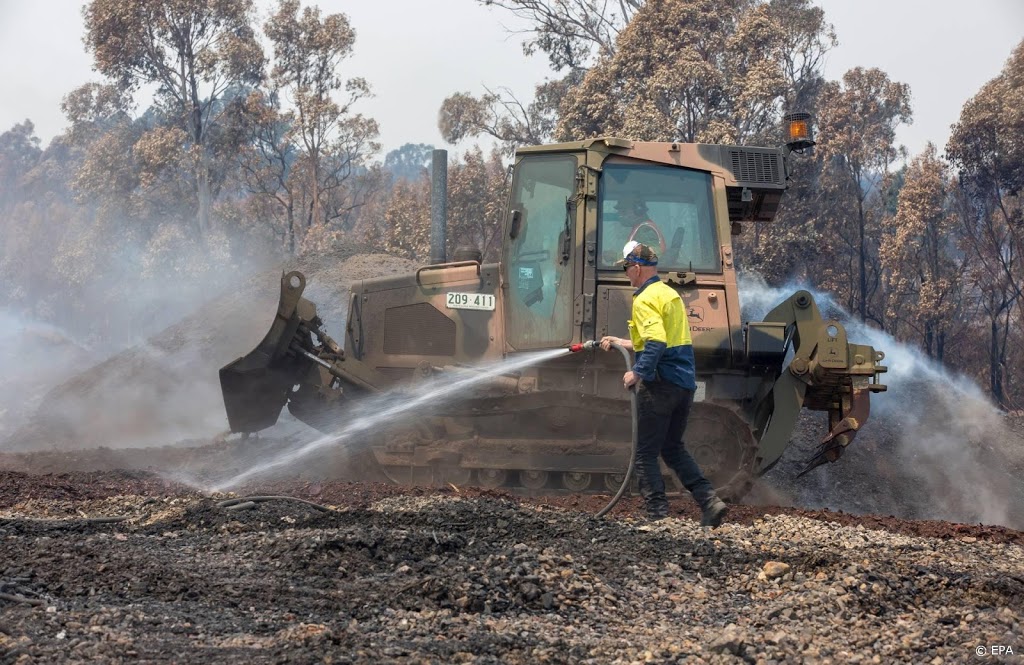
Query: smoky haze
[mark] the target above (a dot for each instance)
(35, 357)
(154, 400)
(934, 447)
(135, 370)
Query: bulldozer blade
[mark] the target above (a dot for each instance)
(843, 433)
(256, 386)
(253, 395)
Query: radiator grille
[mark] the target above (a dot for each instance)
(751, 166)
(418, 329)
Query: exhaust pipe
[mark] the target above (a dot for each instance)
(438, 206)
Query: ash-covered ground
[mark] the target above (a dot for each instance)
(393, 575)
(908, 549)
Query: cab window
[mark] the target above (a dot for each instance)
(539, 306)
(666, 207)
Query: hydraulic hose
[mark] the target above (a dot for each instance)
(588, 346)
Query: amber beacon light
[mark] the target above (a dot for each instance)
(798, 131)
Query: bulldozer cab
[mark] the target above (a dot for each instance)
(572, 209)
(668, 208)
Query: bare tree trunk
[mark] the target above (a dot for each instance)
(995, 365)
(316, 191)
(291, 228)
(203, 189)
(205, 200)
(862, 260)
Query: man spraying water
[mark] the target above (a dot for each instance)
(664, 377)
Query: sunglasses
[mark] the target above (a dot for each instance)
(627, 266)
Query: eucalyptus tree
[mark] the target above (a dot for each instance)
(857, 122)
(986, 149)
(701, 71)
(19, 152)
(335, 140)
(573, 34)
(924, 267)
(192, 51)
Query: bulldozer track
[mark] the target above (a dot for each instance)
(718, 436)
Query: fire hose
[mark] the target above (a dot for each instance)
(249, 502)
(590, 345)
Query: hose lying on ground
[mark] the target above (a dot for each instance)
(248, 502)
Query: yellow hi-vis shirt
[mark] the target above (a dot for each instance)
(660, 332)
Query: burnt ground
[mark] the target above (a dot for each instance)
(393, 574)
(17, 487)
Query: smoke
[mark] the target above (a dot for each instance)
(35, 357)
(934, 446)
(159, 384)
(153, 381)
(142, 397)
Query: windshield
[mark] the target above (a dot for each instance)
(539, 306)
(666, 207)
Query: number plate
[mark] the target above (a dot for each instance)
(469, 300)
(699, 394)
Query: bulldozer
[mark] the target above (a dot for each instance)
(564, 424)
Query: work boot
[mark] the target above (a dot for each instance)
(713, 513)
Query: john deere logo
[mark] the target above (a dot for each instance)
(696, 313)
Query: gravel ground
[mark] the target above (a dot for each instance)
(419, 575)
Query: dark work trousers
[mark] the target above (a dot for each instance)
(662, 410)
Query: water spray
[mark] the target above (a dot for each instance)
(387, 407)
(590, 345)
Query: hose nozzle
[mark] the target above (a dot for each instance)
(585, 346)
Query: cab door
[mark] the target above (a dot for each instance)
(539, 252)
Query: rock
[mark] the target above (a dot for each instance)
(729, 642)
(774, 569)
